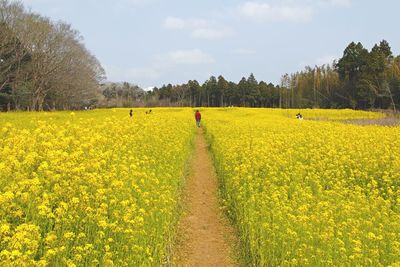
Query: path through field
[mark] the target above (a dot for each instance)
(204, 237)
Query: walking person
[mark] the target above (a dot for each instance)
(130, 113)
(197, 116)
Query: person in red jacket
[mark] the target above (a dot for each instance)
(197, 115)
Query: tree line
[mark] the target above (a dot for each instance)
(217, 92)
(44, 64)
(121, 95)
(360, 79)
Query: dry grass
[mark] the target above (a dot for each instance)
(387, 121)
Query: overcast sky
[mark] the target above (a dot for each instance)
(152, 42)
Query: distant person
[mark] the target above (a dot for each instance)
(131, 113)
(299, 116)
(197, 116)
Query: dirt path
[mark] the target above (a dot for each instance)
(204, 233)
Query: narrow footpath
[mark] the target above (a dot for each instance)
(205, 237)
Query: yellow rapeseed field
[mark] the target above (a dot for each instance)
(91, 188)
(309, 193)
(97, 188)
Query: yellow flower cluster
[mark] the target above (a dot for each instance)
(309, 193)
(91, 188)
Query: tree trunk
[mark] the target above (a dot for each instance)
(40, 104)
(392, 100)
(34, 104)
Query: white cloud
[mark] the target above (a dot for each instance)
(323, 60)
(261, 11)
(159, 66)
(135, 2)
(121, 6)
(131, 3)
(115, 2)
(147, 73)
(243, 51)
(335, 3)
(115, 73)
(211, 34)
(328, 59)
(189, 57)
(29, 2)
(175, 23)
(199, 28)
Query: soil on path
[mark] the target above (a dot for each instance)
(205, 237)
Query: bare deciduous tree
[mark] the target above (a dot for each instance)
(50, 67)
